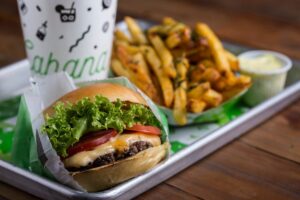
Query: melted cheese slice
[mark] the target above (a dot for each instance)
(118, 143)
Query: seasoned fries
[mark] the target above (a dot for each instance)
(186, 70)
(164, 80)
(215, 46)
(164, 54)
(119, 35)
(136, 33)
(233, 61)
(138, 70)
(180, 99)
(195, 105)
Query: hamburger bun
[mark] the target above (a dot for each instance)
(108, 90)
(104, 177)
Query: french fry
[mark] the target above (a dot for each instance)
(220, 85)
(202, 74)
(195, 105)
(196, 73)
(118, 68)
(129, 48)
(138, 58)
(197, 54)
(243, 81)
(161, 30)
(136, 65)
(173, 40)
(135, 31)
(119, 35)
(186, 35)
(180, 97)
(233, 61)
(215, 46)
(182, 66)
(165, 82)
(207, 63)
(159, 99)
(169, 21)
(211, 75)
(228, 94)
(179, 110)
(164, 54)
(198, 91)
(212, 98)
(230, 79)
(177, 28)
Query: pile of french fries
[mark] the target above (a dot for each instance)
(182, 69)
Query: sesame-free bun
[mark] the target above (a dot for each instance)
(108, 90)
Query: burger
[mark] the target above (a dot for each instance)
(105, 134)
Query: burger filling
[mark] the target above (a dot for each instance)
(117, 148)
(92, 133)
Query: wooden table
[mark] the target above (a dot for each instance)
(264, 163)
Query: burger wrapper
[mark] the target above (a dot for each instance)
(32, 149)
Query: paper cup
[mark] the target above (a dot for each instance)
(68, 35)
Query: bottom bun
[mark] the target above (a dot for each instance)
(104, 177)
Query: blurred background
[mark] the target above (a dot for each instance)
(270, 24)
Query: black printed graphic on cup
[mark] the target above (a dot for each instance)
(38, 8)
(66, 14)
(80, 39)
(23, 7)
(106, 4)
(42, 31)
(105, 27)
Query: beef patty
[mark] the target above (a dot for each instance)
(109, 158)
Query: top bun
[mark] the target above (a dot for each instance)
(108, 90)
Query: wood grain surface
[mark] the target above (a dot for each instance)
(264, 163)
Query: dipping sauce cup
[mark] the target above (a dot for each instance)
(268, 70)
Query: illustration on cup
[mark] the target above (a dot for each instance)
(38, 8)
(106, 4)
(23, 7)
(105, 27)
(80, 39)
(42, 31)
(66, 14)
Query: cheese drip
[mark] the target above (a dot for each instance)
(119, 143)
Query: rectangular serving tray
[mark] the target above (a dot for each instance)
(197, 150)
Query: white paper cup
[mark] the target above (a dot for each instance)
(68, 35)
(268, 83)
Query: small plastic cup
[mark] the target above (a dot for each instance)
(265, 83)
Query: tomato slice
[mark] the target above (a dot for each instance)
(151, 130)
(91, 140)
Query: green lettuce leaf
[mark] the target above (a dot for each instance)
(71, 121)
